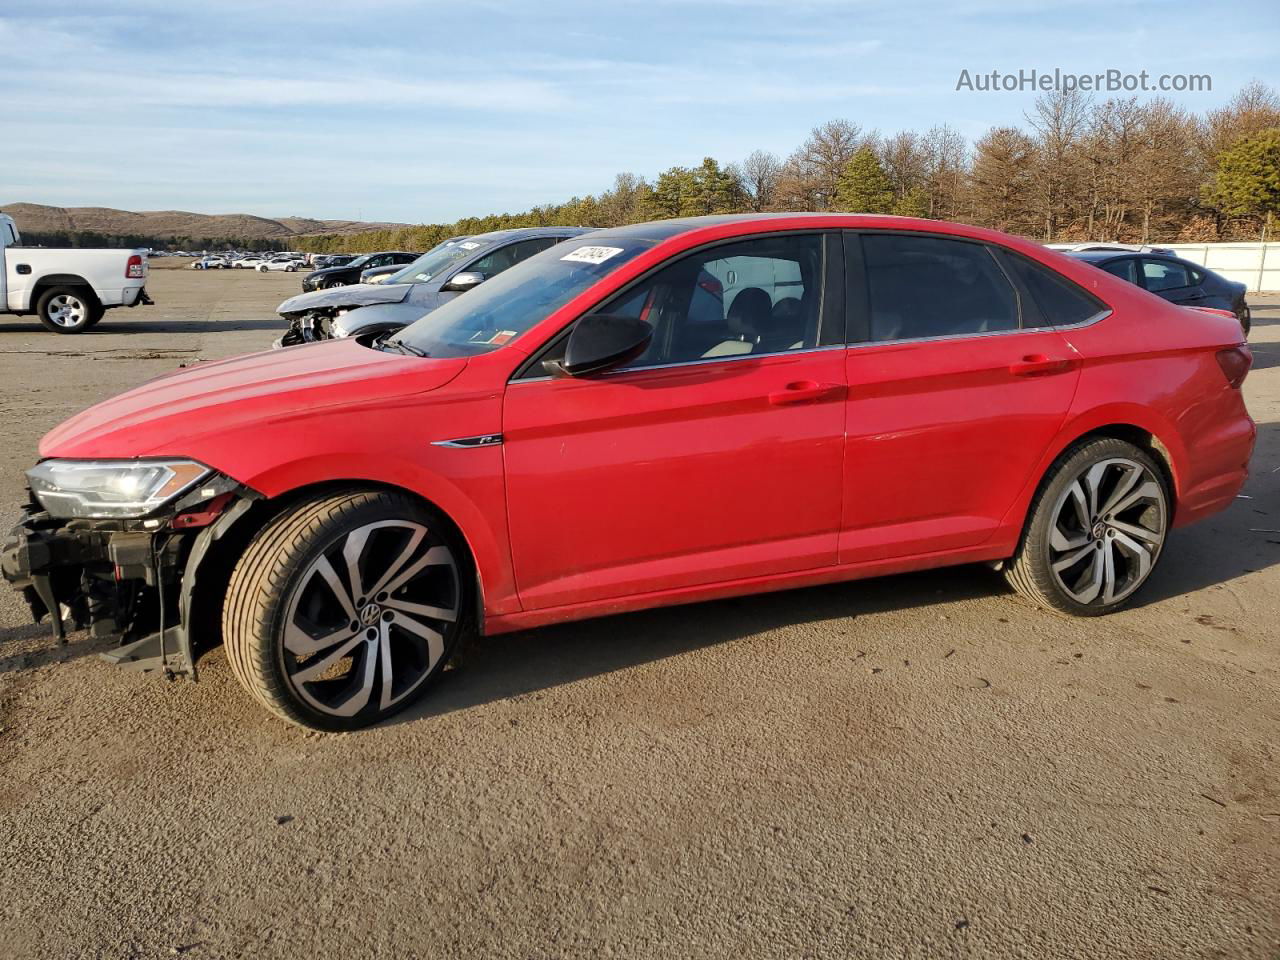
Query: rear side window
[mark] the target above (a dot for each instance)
(1165, 275)
(1126, 270)
(493, 263)
(920, 287)
(1060, 301)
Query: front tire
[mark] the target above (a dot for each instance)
(1095, 530)
(344, 609)
(67, 310)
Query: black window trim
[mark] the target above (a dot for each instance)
(1045, 322)
(830, 309)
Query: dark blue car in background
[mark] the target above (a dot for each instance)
(1173, 279)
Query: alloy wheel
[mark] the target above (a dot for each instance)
(366, 622)
(66, 310)
(1109, 526)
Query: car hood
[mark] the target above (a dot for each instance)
(356, 295)
(175, 414)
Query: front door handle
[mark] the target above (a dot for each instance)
(806, 391)
(1038, 365)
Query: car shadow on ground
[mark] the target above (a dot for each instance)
(517, 664)
(125, 326)
(32, 646)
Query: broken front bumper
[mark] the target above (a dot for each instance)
(129, 579)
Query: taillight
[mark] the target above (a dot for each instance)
(1235, 363)
(135, 270)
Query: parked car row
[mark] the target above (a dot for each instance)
(288, 262)
(410, 291)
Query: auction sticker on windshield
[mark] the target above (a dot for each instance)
(592, 254)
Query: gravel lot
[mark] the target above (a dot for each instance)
(908, 767)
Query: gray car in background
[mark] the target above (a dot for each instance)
(439, 275)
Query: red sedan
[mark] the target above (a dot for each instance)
(648, 415)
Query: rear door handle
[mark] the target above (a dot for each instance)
(1038, 365)
(806, 391)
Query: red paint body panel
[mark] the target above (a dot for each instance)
(670, 485)
(942, 436)
(672, 477)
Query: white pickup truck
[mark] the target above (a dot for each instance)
(68, 289)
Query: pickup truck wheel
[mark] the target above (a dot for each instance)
(67, 310)
(343, 610)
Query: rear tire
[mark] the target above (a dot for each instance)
(68, 309)
(343, 610)
(1095, 530)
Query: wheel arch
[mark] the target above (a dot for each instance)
(229, 536)
(50, 280)
(1139, 426)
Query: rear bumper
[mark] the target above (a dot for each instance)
(1230, 447)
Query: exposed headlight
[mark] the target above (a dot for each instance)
(111, 488)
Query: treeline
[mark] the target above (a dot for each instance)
(1076, 169)
(93, 238)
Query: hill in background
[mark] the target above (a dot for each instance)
(90, 226)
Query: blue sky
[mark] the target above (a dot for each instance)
(423, 111)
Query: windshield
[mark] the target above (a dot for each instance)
(500, 310)
(436, 260)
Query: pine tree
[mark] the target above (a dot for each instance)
(1248, 178)
(863, 186)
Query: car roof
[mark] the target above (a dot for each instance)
(1100, 256)
(528, 233)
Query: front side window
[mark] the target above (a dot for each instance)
(752, 297)
(922, 287)
(1164, 275)
(504, 308)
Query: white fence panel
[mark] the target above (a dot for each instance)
(1255, 264)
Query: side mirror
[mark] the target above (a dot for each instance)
(464, 281)
(600, 342)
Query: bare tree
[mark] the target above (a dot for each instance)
(760, 173)
(1001, 181)
(946, 164)
(822, 158)
(1164, 177)
(1058, 120)
(906, 162)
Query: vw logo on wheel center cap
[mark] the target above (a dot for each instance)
(370, 614)
(1099, 530)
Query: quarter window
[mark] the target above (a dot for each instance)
(1061, 302)
(920, 287)
(753, 297)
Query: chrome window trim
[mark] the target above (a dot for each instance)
(1048, 328)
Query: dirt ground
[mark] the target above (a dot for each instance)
(906, 767)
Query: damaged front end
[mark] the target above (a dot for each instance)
(129, 577)
(309, 327)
